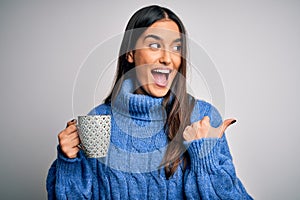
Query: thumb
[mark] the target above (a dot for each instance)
(225, 125)
(73, 121)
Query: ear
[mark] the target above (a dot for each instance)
(130, 57)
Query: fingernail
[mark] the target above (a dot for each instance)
(73, 120)
(233, 122)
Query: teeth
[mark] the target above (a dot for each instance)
(163, 71)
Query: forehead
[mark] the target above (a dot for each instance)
(167, 29)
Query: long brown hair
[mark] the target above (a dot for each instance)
(177, 102)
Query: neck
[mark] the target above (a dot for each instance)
(140, 90)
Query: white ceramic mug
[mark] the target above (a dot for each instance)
(94, 134)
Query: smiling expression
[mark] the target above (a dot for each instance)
(157, 57)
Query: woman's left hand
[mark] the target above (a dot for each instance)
(203, 129)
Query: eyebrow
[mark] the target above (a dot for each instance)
(158, 38)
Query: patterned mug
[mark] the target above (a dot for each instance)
(94, 134)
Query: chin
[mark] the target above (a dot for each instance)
(159, 92)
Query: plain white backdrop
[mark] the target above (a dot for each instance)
(255, 46)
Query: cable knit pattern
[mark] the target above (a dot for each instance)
(138, 143)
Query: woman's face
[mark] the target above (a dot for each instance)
(157, 57)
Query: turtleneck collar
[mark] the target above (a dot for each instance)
(137, 106)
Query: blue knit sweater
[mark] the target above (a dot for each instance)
(138, 143)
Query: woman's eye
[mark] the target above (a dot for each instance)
(177, 48)
(154, 45)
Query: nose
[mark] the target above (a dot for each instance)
(165, 57)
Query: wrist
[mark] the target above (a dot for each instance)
(203, 153)
(62, 156)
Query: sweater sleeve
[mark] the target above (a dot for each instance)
(70, 178)
(211, 173)
(75, 178)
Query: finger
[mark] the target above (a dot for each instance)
(188, 133)
(72, 153)
(195, 126)
(73, 121)
(204, 127)
(71, 129)
(67, 145)
(75, 142)
(225, 125)
(205, 121)
(73, 136)
(70, 138)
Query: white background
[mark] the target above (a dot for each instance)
(255, 46)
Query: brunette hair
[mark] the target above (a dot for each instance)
(177, 102)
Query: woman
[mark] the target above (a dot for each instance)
(164, 143)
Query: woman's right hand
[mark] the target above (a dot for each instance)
(69, 140)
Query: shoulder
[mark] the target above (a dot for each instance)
(102, 109)
(203, 108)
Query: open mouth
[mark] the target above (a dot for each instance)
(161, 76)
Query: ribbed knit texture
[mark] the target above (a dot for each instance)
(138, 143)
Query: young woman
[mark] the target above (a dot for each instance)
(164, 143)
